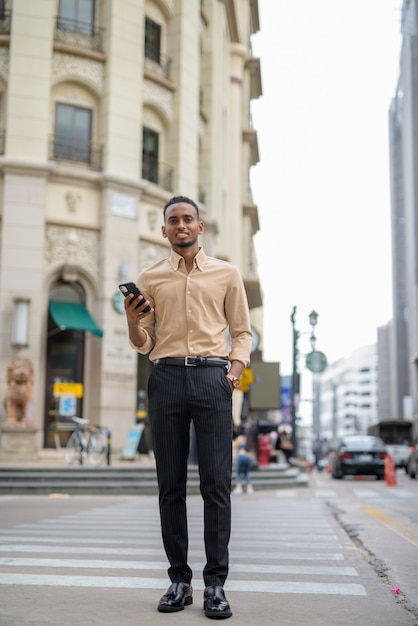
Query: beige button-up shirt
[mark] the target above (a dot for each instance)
(193, 310)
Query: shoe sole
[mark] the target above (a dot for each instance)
(175, 609)
(217, 615)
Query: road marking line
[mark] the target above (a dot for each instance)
(241, 555)
(286, 556)
(325, 493)
(294, 538)
(399, 529)
(258, 586)
(162, 565)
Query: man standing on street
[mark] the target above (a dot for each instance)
(195, 299)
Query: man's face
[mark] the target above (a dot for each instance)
(182, 226)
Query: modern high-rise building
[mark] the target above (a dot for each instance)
(403, 134)
(107, 109)
(348, 396)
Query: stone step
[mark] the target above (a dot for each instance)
(123, 480)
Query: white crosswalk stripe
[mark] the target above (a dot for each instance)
(275, 547)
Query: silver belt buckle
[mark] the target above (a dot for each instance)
(186, 361)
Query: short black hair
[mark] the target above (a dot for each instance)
(178, 199)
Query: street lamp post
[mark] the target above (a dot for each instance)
(295, 390)
(316, 435)
(315, 362)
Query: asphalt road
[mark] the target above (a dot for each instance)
(336, 552)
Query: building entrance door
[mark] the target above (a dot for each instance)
(64, 365)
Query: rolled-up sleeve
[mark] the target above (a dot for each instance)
(238, 317)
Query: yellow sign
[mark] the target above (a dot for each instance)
(246, 379)
(68, 389)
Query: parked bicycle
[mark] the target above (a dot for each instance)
(88, 442)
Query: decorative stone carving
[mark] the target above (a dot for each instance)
(75, 245)
(152, 219)
(19, 393)
(169, 5)
(4, 62)
(150, 253)
(72, 199)
(157, 96)
(87, 70)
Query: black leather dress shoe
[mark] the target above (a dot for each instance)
(177, 597)
(215, 604)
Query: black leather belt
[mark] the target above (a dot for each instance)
(193, 361)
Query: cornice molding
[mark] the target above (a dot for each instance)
(250, 136)
(231, 17)
(252, 64)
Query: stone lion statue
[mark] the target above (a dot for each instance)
(19, 392)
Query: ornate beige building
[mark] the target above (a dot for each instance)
(107, 109)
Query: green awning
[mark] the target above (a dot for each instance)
(73, 316)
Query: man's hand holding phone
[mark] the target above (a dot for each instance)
(130, 289)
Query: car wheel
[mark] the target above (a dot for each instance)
(379, 476)
(412, 474)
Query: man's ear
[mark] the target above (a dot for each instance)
(164, 232)
(201, 228)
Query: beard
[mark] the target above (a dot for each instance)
(186, 244)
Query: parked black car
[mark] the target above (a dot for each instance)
(412, 464)
(359, 455)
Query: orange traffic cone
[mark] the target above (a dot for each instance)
(390, 471)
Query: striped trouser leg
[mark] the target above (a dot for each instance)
(170, 427)
(211, 404)
(177, 395)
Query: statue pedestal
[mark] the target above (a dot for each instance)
(18, 444)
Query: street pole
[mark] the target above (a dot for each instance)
(294, 380)
(312, 364)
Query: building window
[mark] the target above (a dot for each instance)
(72, 133)
(152, 40)
(150, 141)
(77, 16)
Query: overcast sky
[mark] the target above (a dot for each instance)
(329, 71)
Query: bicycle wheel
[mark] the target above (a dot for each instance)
(73, 449)
(98, 446)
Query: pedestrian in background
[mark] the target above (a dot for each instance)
(194, 299)
(286, 446)
(252, 432)
(244, 460)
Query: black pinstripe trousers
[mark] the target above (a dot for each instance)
(176, 396)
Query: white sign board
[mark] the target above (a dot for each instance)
(123, 205)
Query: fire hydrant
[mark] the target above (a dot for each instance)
(264, 449)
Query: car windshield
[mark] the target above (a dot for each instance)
(362, 443)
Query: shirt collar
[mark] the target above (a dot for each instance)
(200, 259)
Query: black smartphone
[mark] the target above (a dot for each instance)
(128, 288)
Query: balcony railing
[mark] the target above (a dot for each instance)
(5, 22)
(162, 67)
(2, 140)
(158, 173)
(78, 34)
(64, 149)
